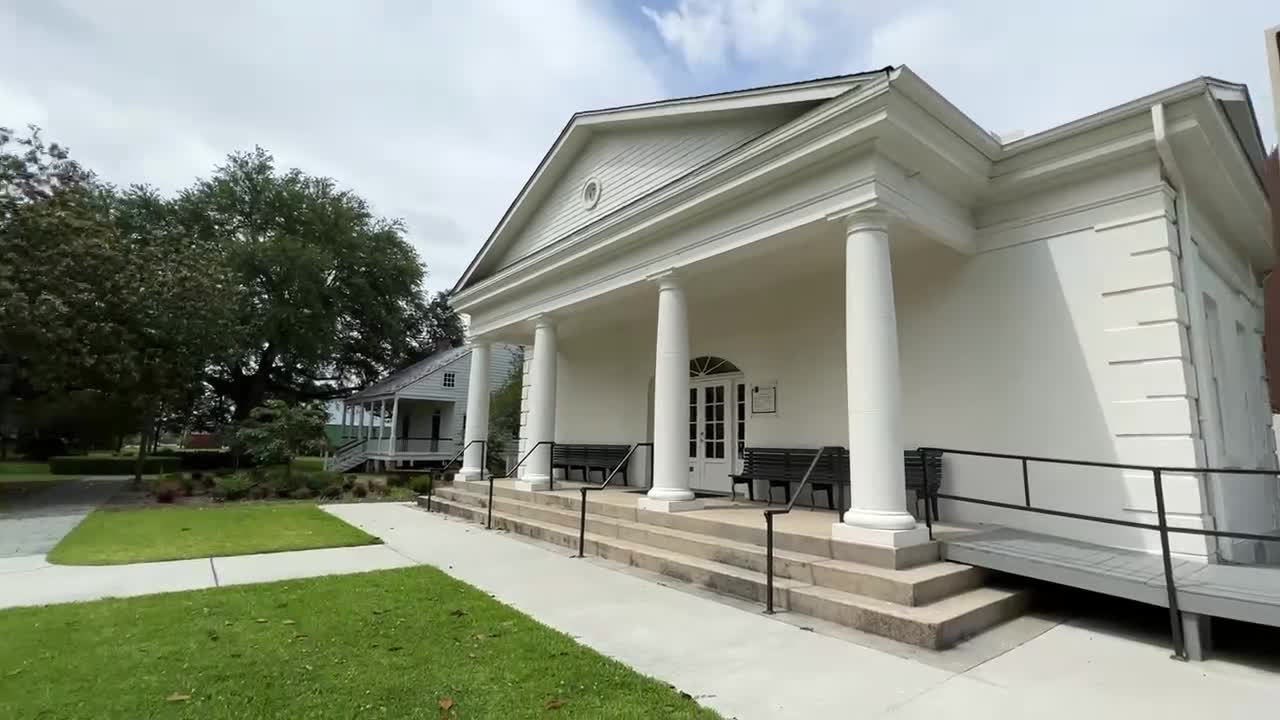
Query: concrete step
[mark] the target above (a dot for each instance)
(937, 624)
(918, 585)
(890, 558)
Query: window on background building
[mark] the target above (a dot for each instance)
(449, 379)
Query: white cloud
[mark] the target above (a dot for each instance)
(1010, 64)
(712, 33)
(436, 113)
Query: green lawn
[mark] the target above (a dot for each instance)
(110, 537)
(410, 643)
(23, 471)
(308, 463)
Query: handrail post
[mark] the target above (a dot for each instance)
(768, 563)
(551, 465)
(1175, 617)
(1026, 483)
(924, 475)
(488, 523)
(582, 522)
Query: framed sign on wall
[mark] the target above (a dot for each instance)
(764, 398)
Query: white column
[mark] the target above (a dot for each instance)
(360, 429)
(542, 407)
(878, 512)
(670, 490)
(382, 423)
(477, 427)
(395, 411)
(366, 419)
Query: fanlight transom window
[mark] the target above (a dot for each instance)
(706, 365)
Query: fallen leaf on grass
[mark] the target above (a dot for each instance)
(178, 697)
(446, 703)
(261, 620)
(555, 704)
(290, 622)
(459, 612)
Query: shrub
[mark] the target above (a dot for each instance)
(301, 493)
(233, 487)
(360, 490)
(348, 482)
(331, 491)
(166, 491)
(107, 465)
(420, 484)
(261, 492)
(318, 481)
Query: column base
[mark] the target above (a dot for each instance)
(857, 535)
(470, 474)
(532, 483)
(668, 506)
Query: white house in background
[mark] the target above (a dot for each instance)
(854, 262)
(415, 417)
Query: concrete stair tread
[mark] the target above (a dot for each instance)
(936, 612)
(918, 573)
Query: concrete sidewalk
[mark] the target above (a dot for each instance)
(747, 665)
(31, 580)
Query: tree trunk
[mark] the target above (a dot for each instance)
(144, 438)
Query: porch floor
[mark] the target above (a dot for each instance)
(806, 521)
(1241, 592)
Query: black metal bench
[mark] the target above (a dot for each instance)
(783, 467)
(589, 458)
(915, 478)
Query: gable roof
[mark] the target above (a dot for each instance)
(577, 130)
(413, 373)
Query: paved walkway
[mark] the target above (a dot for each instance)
(30, 580)
(746, 665)
(733, 659)
(34, 523)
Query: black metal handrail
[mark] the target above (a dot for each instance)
(483, 463)
(1161, 525)
(582, 511)
(768, 530)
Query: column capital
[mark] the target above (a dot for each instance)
(667, 279)
(872, 219)
(544, 320)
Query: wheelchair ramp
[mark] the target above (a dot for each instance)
(1240, 592)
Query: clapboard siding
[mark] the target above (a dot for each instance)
(431, 386)
(631, 164)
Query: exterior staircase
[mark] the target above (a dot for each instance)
(930, 603)
(347, 457)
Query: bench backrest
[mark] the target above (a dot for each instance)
(772, 463)
(594, 455)
(776, 463)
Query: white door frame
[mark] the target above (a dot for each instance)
(713, 459)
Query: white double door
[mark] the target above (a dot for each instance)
(714, 412)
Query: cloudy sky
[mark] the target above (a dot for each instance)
(438, 111)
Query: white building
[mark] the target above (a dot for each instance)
(854, 262)
(416, 416)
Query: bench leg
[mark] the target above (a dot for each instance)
(933, 501)
(751, 491)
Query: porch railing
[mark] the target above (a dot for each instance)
(768, 529)
(1161, 525)
(582, 510)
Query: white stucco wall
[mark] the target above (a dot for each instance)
(1066, 336)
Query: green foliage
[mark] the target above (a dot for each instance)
(318, 481)
(233, 487)
(278, 432)
(302, 493)
(504, 416)
(420, 484)
(331, 295)
(331, 492)
(107, 465)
